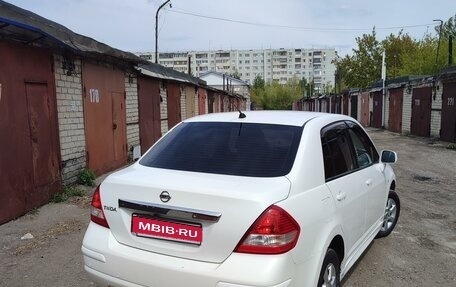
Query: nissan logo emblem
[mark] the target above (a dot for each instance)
(164, 196)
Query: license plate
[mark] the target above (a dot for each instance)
(165, 229)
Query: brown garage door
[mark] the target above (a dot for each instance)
(338, 104)
(377, 109)
(173, 104)
(345, 99)
(210, 101)
(354, 107)
(29, 144)
(395, 110)
(149, 112)
(105, 118)
(365, 113)
(202, 96)
(448, 121)
(421, 112)
(190, 95)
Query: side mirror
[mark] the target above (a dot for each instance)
(388, 156)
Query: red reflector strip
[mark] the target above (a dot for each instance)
(168, 230)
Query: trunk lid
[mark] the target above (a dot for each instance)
(224, 206)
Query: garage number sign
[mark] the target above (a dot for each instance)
(94, 96)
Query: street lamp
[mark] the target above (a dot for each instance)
(156, 30)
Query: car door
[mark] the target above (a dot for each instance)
(347, 186)
(371, 172)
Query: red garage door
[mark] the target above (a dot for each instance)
(105, 118)
(202, 96)
(174, 104)
(149, 112)
(421, 112)
(395, 110)
(377, 109)
(448, 121)
(29, 143)
(365, 113)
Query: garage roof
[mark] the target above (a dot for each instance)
(27, 27)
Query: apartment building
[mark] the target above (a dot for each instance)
(315, 65)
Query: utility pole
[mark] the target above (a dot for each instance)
(156, 30)
(450, 50)
(440, 36)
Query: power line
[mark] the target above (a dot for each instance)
(328, 29)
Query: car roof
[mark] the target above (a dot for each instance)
(292, 118)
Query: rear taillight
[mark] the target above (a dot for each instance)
(274, 232)
(96, 211)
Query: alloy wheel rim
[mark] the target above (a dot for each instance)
(329, 277)
(390, 215)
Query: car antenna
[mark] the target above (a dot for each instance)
(241, 114)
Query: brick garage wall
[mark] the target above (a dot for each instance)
(132, 112)
(407, 111)
(196, 104)
(163, 109)
(183, 102)
(70, 108)
(358, 115)
(436, 111)
(386, 109)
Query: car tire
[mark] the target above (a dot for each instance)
(391, 215)
(330, 270)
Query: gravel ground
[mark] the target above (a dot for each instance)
(420, 252)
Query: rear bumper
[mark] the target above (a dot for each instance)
(110, 263)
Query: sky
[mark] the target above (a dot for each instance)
(191, 25)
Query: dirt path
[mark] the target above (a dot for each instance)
(53, 257)
(420, 252)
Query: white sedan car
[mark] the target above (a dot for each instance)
(244, 199)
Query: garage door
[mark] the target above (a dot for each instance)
(421, 112)
(448, 121)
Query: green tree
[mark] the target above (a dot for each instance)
(258, 82)
(275, 96)
(364, 66)
(448, 28)
(404, 56)
(305, 87)
(236, 75)
(396, 49)
(422, 60)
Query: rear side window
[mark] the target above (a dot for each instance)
(337, 154)
(243, 149)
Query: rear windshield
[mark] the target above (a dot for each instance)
(244, 149)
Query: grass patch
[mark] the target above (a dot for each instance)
(68, 192)
(86, 177)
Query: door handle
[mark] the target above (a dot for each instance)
(341, 196)
(369, 182)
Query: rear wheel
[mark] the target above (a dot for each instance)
(330, 270)
(392, 210)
